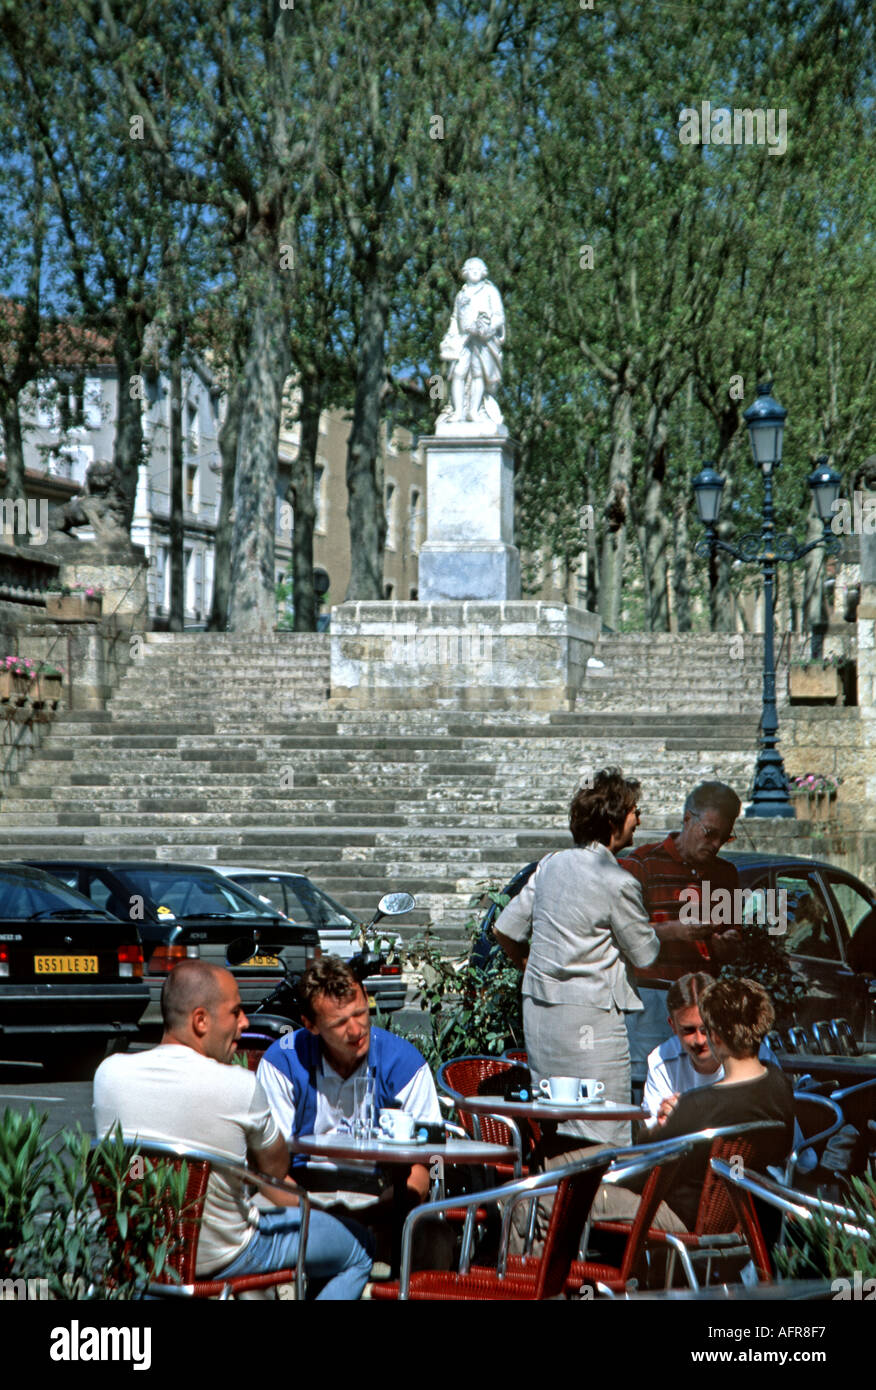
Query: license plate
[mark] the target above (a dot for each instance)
(65, 965)
(255, 961)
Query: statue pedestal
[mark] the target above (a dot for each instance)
(120, 574)
(506, 655)
(469, 551)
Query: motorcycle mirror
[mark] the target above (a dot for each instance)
(240, 949)
(394, 904)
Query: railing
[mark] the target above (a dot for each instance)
(24, 578)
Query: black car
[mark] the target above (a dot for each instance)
(302, 901)
(71, 975)
(187, 910)
(827, 927)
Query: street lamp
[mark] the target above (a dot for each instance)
(766, 423)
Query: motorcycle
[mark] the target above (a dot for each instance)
(280, 1012)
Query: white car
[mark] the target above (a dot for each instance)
(302, 902)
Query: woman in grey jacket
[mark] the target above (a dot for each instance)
(586, 924)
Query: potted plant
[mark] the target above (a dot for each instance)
(814, 794)
(816, 681)
(16, 674)
(46, 684)
(66, 603)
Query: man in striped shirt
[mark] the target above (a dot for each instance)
(681, 871)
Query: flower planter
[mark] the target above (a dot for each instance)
(814, 684)
(73, 608)
(14, 689)
(815, 806)
(46, 690)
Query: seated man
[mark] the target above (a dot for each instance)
(737, 1015)
(184, 1091)
(685, 1061)
(309, 1079)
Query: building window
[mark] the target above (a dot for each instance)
(388, 589)
(193, 431)
(415, 521)
(319, 496)
(160, 584)
(389, 496)
(414, 595)
(191, 497)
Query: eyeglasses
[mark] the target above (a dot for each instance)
(712, 834)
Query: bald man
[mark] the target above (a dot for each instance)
(184, 1091)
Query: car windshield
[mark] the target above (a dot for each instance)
(316, 906)
(193, 894)
(25, 892)
(305, 903)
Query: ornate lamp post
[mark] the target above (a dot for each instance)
(766, 423)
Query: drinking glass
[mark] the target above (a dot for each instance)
(363, 1108)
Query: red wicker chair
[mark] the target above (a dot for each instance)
(462, 1077)
(575, 1188)
(181, 1228)
(716, 1233)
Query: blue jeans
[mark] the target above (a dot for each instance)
(332, 1252)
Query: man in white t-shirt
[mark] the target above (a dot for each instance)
(685, 1061)
(185, 1091)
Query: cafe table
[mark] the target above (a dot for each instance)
(844, 1070)
(541, 1110)
(348, 1148)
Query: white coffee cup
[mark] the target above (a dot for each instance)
(395, 1124)
(565, 1090)
(592, 1089)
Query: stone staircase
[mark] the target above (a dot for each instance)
(721, 673)
(210, 752)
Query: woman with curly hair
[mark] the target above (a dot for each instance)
(584, 920)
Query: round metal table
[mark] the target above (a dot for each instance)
(539, 1110)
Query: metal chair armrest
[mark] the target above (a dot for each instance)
(507, 1217)
(526, 1186)
(512, 1125)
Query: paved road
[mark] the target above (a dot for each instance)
(69, 1102)
(65, 1102)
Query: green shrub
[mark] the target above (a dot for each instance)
(52, 1228)
(472, 1010)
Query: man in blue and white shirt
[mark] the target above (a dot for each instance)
(309, 1079)
(685, 1061)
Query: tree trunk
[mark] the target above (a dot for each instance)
(815, 611)
(229, 436)
(654, 555)
(128, 445)
(304, 505)
(252, 606)
(13, 449)
(365, 506)
(681, 566)
(616, 509)
(177, 523)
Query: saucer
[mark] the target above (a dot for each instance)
(389, 1139)
(566, 1104)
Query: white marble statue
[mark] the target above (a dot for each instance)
(473, 344)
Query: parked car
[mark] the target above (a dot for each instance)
(302, 901)
(71, 975)
(187, 910)
(830, 936)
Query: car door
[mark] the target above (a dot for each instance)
(853, 905)
(814, 940)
